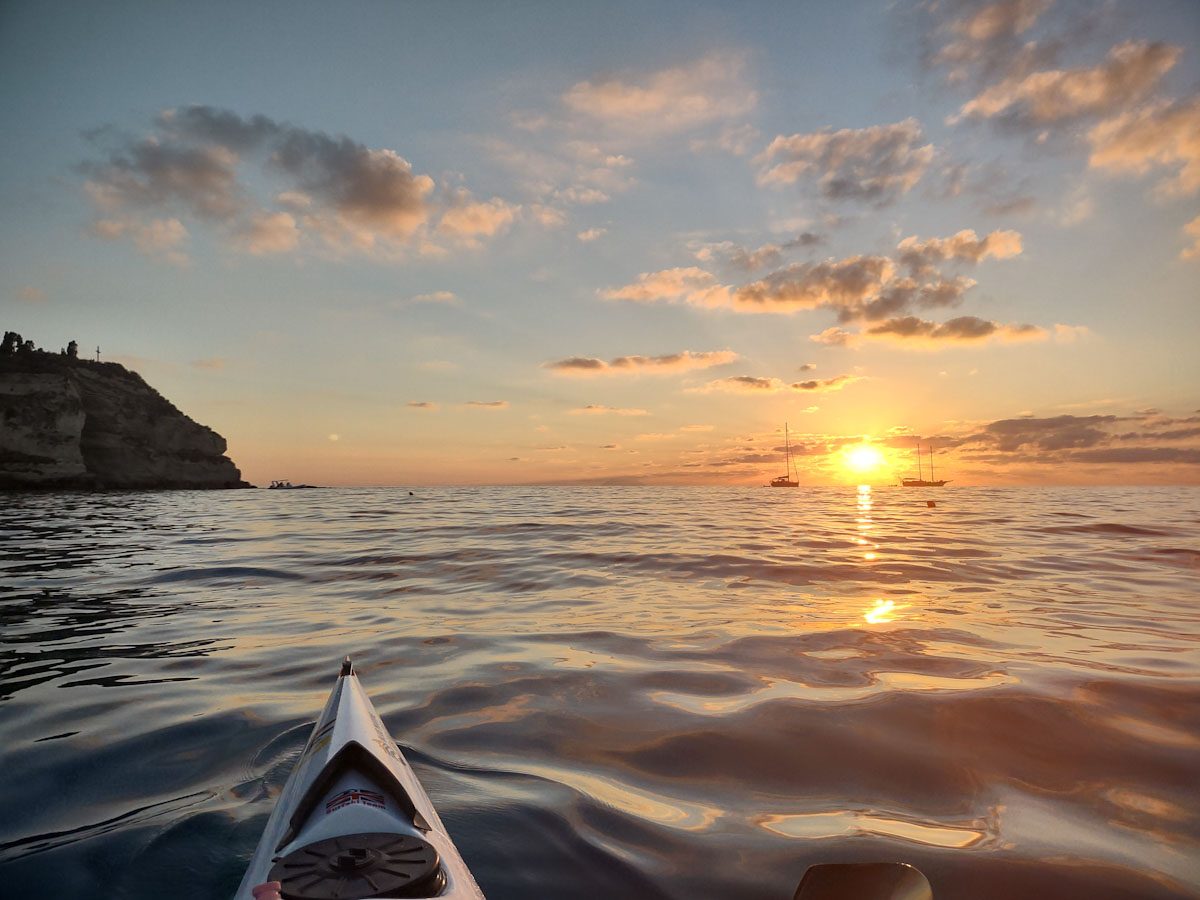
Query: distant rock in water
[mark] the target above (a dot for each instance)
(72, 423)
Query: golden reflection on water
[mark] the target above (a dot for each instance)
(844, 823)
(864, 521)
(884, 611)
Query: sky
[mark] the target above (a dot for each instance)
(386, 243)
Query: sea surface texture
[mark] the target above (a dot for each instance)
(615, 692)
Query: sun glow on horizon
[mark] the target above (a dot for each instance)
(863, 458)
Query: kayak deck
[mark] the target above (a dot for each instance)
(353, 822)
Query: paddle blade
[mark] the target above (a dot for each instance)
(863, 881)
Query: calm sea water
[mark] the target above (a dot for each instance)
(616, 692)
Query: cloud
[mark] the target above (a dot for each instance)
(988, 37)
(1184, 455)
(27, 293)
(1051, 433)
(878, 164)
(558, 172)
(470, 220)
(591, 234)
(746, 383)
(846, 282)
(1165, 134)
(547, 216)
(1066, 334)
(1192, 230)
(827, 384)
(903, 293)
(448, 298)
(209, 165)
(152, 175)
(422, 404)
(685, 361)
(836, 337)
(696, 427)
(733, 139)
(594, 409)
(664, 285)
(487, 404)
(1037, 99)
(672, 99)
(159, 238)
(964, 329)
(268, 234)
(211, 364)
(753, 384)
(370, 189)
(921, 257)
(747, 260)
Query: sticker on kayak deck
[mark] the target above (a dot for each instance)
(352, 797)
(320, 739)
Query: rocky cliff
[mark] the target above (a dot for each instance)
(71, 423)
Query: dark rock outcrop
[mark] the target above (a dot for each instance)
(72, 423)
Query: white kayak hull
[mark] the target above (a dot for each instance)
(353, 822)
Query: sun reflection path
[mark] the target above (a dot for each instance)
(864, 522)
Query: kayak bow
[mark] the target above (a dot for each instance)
(353, 822)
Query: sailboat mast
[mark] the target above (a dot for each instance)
(787, 449)
(931, 462)
(920, 477)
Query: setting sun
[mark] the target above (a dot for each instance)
(863, 458)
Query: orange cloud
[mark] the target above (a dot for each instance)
(487, 404)
(1162, 134)
(595, 409)
(672, 362)
(922, 256)
(1192, 230)
(665, 285)
(473, 219)
(1131, 70)
(836, 337)
(268, 234)
(671, 99)
(753, 384)
(159, 238)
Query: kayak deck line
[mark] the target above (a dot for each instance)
(353, 822)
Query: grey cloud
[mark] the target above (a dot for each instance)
(343, 191)
(877, 164)
(1139, 455)
(1050, 433)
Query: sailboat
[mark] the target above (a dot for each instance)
(786, 480)
(920, 481)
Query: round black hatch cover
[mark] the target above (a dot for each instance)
(353, 866)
